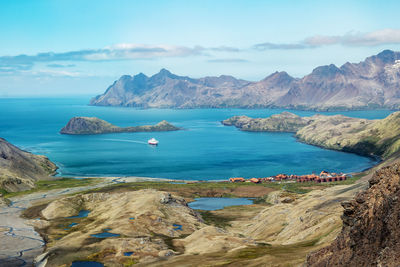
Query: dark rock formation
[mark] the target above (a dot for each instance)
(373, 83)
(371, 226)
(93, 125)
(20, 169)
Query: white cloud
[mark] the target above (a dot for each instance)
(111, 53)
(375, 38)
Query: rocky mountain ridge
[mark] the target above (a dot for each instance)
(372, 83)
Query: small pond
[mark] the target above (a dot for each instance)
(177, 227)
(82, 214)
(86, 264)
(128, 253)
(105, 234)
(217, 203)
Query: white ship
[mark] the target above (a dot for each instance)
(152, 141)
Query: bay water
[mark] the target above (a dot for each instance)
(203, 150)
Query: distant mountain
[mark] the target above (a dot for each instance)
(373, 83)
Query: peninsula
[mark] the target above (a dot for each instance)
(93, 125)
(379, 138)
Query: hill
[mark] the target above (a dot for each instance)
(20, 169)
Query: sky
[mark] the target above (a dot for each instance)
(72, 47)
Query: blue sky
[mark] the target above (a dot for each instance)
(68, 47)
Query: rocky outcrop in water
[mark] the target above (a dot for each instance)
(373, 83)
(284, 122)
(370, 233)
(93, 125)
(20, 169)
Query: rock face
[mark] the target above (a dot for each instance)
(93, 125)
(373, 83)
(284, 122)
(20, 169)
(361, 136)
(370, 233)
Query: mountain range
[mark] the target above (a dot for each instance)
(372, 83)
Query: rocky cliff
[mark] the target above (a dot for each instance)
(20, 169)
(370, 233)
(373, 83)
(93, 125)
(365, 137)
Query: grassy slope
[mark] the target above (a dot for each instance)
(366, 137)
(45, 185)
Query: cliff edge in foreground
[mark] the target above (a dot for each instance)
(20, 169)
(93, 125)
(370, 233)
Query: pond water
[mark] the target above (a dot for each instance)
(86, 264)
(82, 214)
(105, 234)
(177, 227)
(217, 203)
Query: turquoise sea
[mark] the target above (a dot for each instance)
(205, 150)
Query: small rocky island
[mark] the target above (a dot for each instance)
(379, 138)
(93, 125)
(284, 122)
